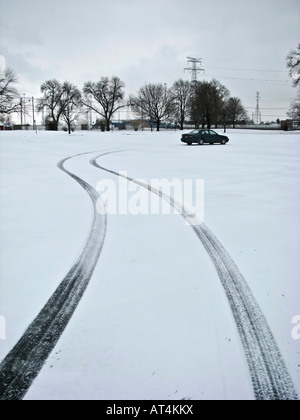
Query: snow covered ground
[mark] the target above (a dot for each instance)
(154, 322)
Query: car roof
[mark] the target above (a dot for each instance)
(203, 129)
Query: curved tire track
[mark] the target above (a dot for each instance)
(269, 374)
(24, 362)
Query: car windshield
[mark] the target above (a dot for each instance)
(194, 132)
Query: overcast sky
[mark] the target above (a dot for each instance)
(243, 43)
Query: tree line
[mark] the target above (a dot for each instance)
(204, 103)
(293, 64)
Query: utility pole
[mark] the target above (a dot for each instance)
(195, 68)
(21, 105)
(33, 119)
(24, 94)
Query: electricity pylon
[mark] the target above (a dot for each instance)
(195, 69)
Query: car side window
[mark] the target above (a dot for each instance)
(205, 132)
(212, 133)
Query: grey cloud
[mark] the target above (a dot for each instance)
(142, 40)
(22, 66)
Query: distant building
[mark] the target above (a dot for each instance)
(119, 125)
(287, 125)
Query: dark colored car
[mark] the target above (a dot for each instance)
(204, 136)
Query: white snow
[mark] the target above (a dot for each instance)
(154, 322)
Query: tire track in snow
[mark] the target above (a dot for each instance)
(24, 362)
(269, 374)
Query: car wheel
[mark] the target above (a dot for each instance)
(201, 142)
(223, 141)
(189, 143)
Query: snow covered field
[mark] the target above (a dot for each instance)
(155, 322)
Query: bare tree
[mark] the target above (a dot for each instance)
(51, 101)
(220, 97)
(235, 111)
(6, 119)
(196, 106)
(181, 91)
(207, 103)
(70, 104)
(9, 96)
(293, 64)
(202, 104)
(104, 97)
(155, 102)
(294, 111)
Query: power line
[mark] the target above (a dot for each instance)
(274, 116)
(278, 109)
(236, 69)
(252, 79)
